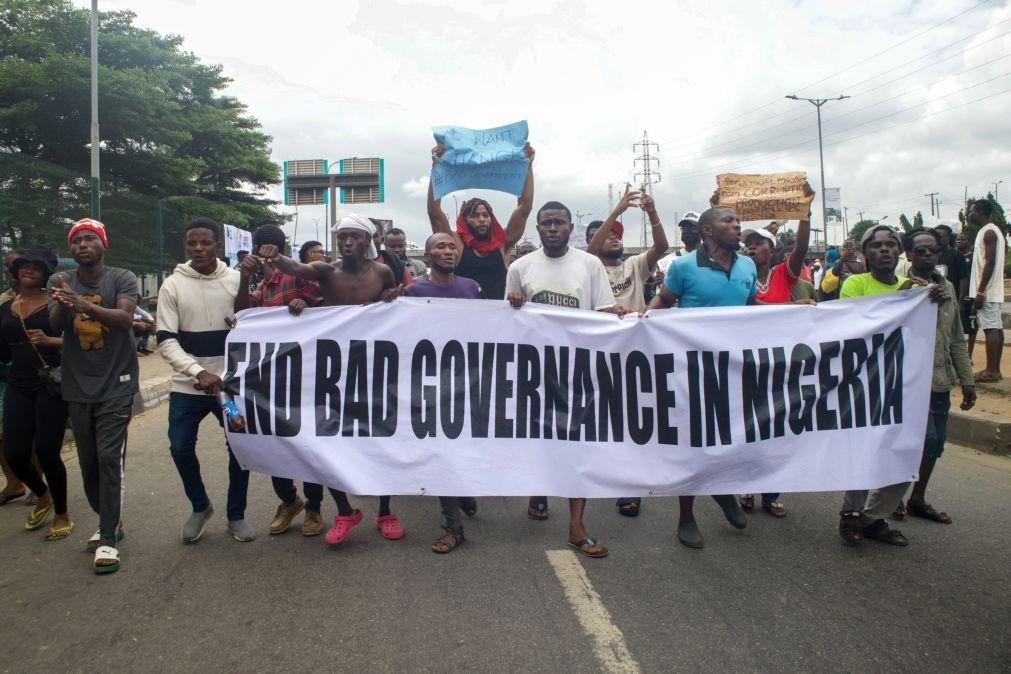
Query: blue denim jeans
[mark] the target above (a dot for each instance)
(185, 414)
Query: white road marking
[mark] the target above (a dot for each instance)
(608, 641)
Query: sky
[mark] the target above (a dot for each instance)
(929, 85)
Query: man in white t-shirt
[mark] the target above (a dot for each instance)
(561, 276)
(628, 277)
(986, 286)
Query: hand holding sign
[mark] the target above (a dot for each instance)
(493, 159)
(785, 196)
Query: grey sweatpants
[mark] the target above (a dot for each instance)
(100, 434)
(876, 504)
(452, 518)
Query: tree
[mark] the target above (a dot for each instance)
(917, 221)
(787, 237)
(171, 142)
(858, 230)
(904, 223)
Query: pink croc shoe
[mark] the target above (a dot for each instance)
(389, 527)
(342, 526)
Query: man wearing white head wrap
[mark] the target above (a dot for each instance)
(355, 279)
(359, 222)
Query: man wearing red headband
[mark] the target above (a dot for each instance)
(93, 307)
(484, 245)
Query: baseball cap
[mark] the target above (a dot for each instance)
(690, 217)
(764, 233)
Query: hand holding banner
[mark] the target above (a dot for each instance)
(490, 159)
(765, 196)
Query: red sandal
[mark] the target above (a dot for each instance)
(389, 527)
(342, 526)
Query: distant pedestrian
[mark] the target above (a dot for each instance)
(986, 286)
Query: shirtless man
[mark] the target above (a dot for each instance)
(356, 278)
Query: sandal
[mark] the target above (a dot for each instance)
(879, 530)
(927, 512)
(342, 526)
(39, 516)
(58, 534)
(106, 560)
(389, 527)
(899, 513)
(96, 539)
(590, 548)
(774, 508)
(468, 505)
(8, 496)
(851, 527)
(538, 511)
(629, 507)
(447, 542)
(748, 502)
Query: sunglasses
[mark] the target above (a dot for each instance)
(923, 250)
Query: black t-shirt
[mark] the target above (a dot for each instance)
(15, 347)
(488, 271)
(955, 263)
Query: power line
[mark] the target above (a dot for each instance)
(768, 158)
(846, 69)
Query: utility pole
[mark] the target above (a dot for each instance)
(579, 217)
(610, 198)
(817, 103)
(846, 222)
(860, 214)
(649, 175)
(995, 189)
(932, 195)
(96, 208)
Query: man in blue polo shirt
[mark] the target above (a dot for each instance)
(712, 275)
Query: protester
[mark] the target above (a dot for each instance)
(195, 312)
(143, 325)
(400, 274)
(713, 275)
(311, 251)
(690, 239)
(562, 276)
(950, 263)
(951, 367)
(34, 413)
(442, 254)
(525, 248)
(775, 284)
(13, 487)
(845, 266)
(93, 308)
(484, 246)
(357, 278)
(863, 511)
(396, 242)
(628, 278)
(278, 289)
(986, 286)
(970, 325)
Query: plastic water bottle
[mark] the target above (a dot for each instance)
(235, 421)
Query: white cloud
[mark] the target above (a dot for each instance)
(417, 187)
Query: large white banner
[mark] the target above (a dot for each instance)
(471, 397)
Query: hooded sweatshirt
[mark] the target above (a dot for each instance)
(194, 312)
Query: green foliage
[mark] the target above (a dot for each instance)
(917, 221)
(167, 131)
(904, 223)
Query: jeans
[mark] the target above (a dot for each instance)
(185, 414)
(937, 424)
(285, 489)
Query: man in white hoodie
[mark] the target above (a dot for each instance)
(195, 311)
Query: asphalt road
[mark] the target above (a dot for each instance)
(783, 595)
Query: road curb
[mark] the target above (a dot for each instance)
(152, 392)
(984, 431)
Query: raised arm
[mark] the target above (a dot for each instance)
(800, 245)
(600, 236)
(314, 271)
(248, 267)
(524, 205)
(440, 223)
(119, 318)
(660, 245)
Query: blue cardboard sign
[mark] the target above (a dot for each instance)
(488, 159)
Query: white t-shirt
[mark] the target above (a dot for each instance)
(627, 281)
(994, 292)
(576, 280)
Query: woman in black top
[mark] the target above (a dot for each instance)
(482, 244)
(34, 412)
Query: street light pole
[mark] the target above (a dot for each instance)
(817, 103)
(995, 189)
(96, 210)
